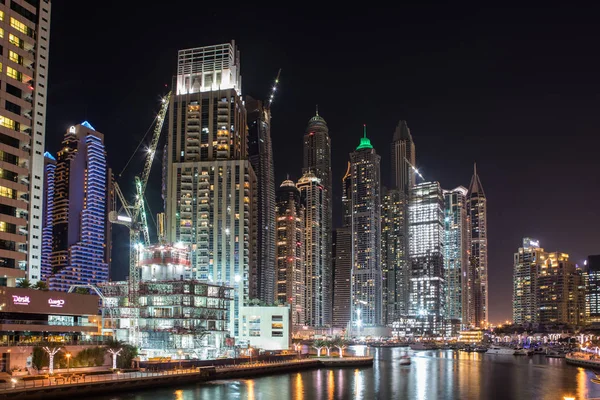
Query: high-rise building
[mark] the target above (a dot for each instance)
(342, 258)
(317, 160)
(25, 26)
(426, 255)
(478, 259)
(560, 291)
(260, 154)
(317, 296)
(527, 263)
(403, 159)
(456, 254)
(394, 263)
(366, 235)
(210, 183)
(49, 179)
(291, 280)
(592, 293)
(79, 203)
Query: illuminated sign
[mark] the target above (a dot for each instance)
(56, 303)
(534, 243)
(20, 300)
(72, 129)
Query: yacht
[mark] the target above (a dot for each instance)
(405, 360)
(500, 350)
(422, 346)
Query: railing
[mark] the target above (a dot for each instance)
(34, 322)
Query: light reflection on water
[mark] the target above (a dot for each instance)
(432, 375)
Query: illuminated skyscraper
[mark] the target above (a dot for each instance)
(49, 179)
(478, 261)
(260, 154)
(78, 197)
(403, 158)
(210, 183)
(317, 160)
(366, 235)
(426, 254)
(291, 280)
(527, 263)
(592, 293)
(456, 249)
(318, 297)
(25, 29)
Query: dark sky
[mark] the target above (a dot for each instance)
(516, 90)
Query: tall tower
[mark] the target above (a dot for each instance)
(48, 210)
(26, 31)
(318, 298)
(426, 254)
(317, 159)
(458, 293)
(403, 150)
(291, 281)
(210, 184)
(260, 154)
(79, 211)
(528, 261)
(478, 262)
(366, 235)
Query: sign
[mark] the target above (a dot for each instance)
(72, 129)
(20, 300)
(534, 243)
(56, 303)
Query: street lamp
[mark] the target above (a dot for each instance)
(68, 355)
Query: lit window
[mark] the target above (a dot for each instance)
(13, 73)
(15, 40)
(7, 122)
(1, 15)
(18, 25)
(14, 57)
(6, 192)
(1, 33)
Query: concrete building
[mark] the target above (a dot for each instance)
(317, 297)
(456, 250)
(317, 160)
(592, 289)
(403, 159)
(291, 279)
(266, 328)
(366, 235)
(426, 255)
(210, 184)
(477, 313)
(25, 27)
(78, 196)
(527, 263)
(260, 154)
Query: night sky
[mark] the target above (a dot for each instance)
(516, 90)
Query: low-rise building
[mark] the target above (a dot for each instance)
(267, 328)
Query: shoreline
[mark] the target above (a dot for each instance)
(97, 385)
(582, 362)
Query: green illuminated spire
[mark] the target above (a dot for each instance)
(365, 143)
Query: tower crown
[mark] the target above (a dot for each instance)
(365, 142)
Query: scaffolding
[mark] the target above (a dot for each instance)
(177, 316)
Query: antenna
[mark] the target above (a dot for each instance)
(273, 90)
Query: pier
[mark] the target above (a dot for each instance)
(62, 386)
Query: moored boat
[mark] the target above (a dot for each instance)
(500, 350)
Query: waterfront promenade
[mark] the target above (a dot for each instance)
(62, 385)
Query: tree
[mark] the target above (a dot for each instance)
(127, 354)
(82, 290)
(329, 345)
(341, 344)
(24, 283)
(319, 344)
(41, 285)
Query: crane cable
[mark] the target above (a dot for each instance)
(138, 146)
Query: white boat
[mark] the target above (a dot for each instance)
(405, 360)
(500, 350)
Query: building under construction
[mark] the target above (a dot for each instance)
(176, 315)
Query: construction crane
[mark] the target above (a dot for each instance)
(272, 96)
(133, 216)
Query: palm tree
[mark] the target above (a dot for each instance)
(341, 344)
(24, 283)
(319, 344)
(41, 285)
(329, 345)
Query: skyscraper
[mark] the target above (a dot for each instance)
(403, 158)
(394, 263)
(210, 184)
(342, 258)
(260, 154)
(25, 27)
(478, 262)
(317, 296)
(426, 254)
(317, 160)
(592, 294)
(49, 180)
(366, 235)
(291, 280)
(456, 250)
(78, 199)
(527, 263)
